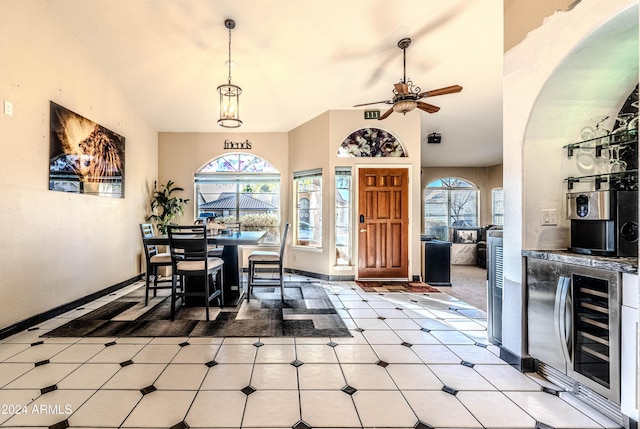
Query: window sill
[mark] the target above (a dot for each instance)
(307, 248)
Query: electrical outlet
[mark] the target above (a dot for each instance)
(548, 217)
(8, 108)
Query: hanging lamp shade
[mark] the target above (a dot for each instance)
(229, 93)
(229, 105)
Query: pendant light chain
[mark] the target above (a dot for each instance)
(229, 62)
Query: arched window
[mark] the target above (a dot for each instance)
(243, 188)
(449, 202)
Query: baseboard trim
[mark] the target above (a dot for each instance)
(325, 277)
(43, 317)
(522, 364)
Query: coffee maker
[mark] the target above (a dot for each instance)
(604, 222)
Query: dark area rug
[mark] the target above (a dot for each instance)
(392, 286)
(306, 312)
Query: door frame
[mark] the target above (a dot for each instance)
(355, 219)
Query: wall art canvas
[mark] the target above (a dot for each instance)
(370, 143)
(85, 157)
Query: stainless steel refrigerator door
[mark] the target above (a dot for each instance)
(547, 289)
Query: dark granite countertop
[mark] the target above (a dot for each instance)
(612, 263)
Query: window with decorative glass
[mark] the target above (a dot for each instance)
(307, 186)
(240, 188)
(449, 202)
(497, 206)
(343, 216)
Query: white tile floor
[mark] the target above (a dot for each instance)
(401, 369)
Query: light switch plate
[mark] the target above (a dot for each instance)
(8, 108)
(548, 217)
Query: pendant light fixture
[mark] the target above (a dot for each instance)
(229, 94)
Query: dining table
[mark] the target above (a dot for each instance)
(232, 290)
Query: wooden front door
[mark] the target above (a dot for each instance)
(383, 223)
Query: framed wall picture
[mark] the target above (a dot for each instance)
(85, 157)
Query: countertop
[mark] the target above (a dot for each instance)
(611, 263)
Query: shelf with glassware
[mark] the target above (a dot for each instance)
(608, 160)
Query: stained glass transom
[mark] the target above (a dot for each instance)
(371, 143)
(238, 163)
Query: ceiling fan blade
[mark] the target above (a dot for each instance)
(386, 114)
(375, 102)
(429, 108)
(401, 88)
(442, 91)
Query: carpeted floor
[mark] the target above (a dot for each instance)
(395, 286)
(468, 284)
(306, 312)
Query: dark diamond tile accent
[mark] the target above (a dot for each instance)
(400, 308)
(112, 343)
(425, 330)
(148, 389)
(211, 363)
(42, 362)
(365, 300)
(185, 344)
(248, 390)
(332, 344)
(381, 318)
(258, 344)
(48, 389)
(35, 328)
(422, 425)
(382, 363)
(297, 363)
(467, 363)
(415, 300)
(181, 425)
(450, 390)
(540, 425)
(60, 425)
(453, 308)
(551, 391)
(406, 344)
(126, 363)
(481, 345)
(37, 343)
(359, 330)
(349, 390)
(301, 424)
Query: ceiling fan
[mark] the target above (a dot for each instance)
(406, 95)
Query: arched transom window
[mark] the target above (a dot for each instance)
(450, 202)
(243, 188)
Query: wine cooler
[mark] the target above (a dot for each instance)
(574, 326)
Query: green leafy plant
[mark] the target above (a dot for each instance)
(164, 206)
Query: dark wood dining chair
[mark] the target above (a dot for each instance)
(262, 258)
(190, 259)
(155, 260)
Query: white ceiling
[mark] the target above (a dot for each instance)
(296, 59)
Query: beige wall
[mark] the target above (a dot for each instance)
(485, 178)
(59, 247)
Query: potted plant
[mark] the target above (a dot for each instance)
(164, 206)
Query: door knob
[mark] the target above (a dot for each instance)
(363, 230)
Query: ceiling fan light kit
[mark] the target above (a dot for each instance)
(406, 95)
(229, 93)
